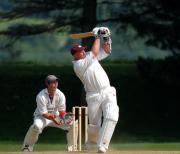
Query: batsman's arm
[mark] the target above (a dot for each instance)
(107, 46)
(96, 46)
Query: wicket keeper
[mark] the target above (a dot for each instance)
(50, 111)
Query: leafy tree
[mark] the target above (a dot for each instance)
(55, 15)
(156, 20)
(34, 17)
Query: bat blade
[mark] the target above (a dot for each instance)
(81, 35)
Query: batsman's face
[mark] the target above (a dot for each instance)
(80, 55)
(52, 86)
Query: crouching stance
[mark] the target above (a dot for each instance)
(50, 111)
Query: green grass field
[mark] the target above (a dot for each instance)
(12, 146)
(149, 115)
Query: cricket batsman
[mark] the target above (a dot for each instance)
(50, 111)
(100, 96)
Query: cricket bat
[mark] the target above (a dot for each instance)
(81, 35)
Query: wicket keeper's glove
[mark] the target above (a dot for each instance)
(56, 119)
(66, 117)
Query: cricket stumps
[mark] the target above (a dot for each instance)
(80, 113)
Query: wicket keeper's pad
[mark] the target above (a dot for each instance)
(31, 137)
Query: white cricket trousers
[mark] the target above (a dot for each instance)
(36, 128)
(102, 103)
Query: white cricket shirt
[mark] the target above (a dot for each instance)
(91, 73)
(44, 104)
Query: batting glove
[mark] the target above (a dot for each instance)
(96, 31)
(105, 32)
(107, 40)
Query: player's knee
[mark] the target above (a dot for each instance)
(112, 112)
(37, 128)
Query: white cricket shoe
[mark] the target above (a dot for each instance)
(101, 150)
(70, 148)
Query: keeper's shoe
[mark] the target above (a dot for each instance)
(26, 148)
(101, 150)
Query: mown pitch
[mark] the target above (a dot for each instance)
(115, 148)
(93, 152)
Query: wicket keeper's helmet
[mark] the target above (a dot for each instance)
(51, 78)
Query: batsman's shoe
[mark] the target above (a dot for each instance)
(101, 150)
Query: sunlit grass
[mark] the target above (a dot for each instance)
(16, 146)
(147, 146)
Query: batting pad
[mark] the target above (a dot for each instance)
(106, 133)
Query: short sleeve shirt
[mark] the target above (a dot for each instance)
(46, 105)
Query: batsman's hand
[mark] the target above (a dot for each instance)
(96, 31)
(105, 32)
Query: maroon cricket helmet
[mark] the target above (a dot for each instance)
(77, 48)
